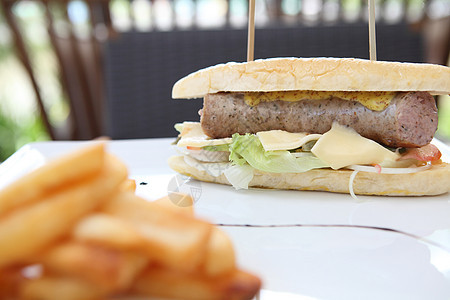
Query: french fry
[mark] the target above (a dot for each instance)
(173, 239)
(187, 207)
(10, 281)
(129, 185)
(107, 230)
(110, 269)
(46, 180)
(220, 257)
(30, 229)
(181, 199)
(83, 233)
(173, 284)
(58, 288)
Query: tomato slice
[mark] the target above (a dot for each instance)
(193, 148)
(426, 153)
(377, 168)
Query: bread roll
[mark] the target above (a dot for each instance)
(434, 181)
(318, 74)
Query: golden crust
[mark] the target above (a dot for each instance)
(433, 181)
(319, 74)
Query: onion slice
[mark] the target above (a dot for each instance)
(205, 155)
(350, 185)
(371, 169)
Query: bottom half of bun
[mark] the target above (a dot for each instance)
(433, 181)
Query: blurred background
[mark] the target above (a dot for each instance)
(76, 70)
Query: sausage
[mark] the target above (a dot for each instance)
(410, 120)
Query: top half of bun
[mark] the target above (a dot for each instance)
(318, 74)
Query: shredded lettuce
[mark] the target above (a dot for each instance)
(248, 149)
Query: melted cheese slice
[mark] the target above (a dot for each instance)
(192, 135)
(372, 100)
(341, 147)
(282, 140)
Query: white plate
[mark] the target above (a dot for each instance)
(406, 255)
(343, 263)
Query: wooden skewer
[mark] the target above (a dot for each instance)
(372, 35)
(251, 30)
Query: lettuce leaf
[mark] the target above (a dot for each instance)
(248, 149)
(239, 176)
(216, 148)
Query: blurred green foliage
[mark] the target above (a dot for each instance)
(22, 124)
(14, 135)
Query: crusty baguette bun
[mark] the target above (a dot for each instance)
(318, 74)
(434, 181)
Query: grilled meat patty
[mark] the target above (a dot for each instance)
(410, 120)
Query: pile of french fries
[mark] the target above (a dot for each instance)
(74, 229)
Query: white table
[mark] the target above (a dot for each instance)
(326, 246)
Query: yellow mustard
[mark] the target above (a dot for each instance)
(372, 100)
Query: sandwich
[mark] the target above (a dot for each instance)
(340, 125)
